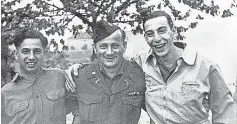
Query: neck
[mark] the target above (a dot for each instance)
(173, 55)
(29, 75)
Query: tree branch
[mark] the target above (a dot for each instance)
(93, 3)
(69, 21)
(67, 9)
(98, 11)
(106, 7)
(127, 21)
(126, 4)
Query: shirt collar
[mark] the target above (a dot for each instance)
(150, 58)
(188, 55)
(21, 75)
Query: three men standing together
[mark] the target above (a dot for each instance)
(179, 85)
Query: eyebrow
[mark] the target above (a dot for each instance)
(162, 27)
(156, 29)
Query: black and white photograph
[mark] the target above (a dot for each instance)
(118, 62)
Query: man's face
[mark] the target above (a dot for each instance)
(110, 50)
(30, 55)
(159, 35)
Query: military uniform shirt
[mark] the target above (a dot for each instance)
(100, 103)
(36, 102)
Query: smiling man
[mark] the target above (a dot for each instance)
(35, 95)
(111, 89)
(182, 85)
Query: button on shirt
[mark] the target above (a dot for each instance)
(39, 101)
(195, 87)
(102, 100)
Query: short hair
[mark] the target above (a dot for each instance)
(26, 33)
(155, 14)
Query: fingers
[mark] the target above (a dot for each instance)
(70, 84)
(74, 69)
(69, 87)
(66, 85)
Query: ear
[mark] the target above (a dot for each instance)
(16, 55)
(94, 47)
(45, 52)
(174, 33)
(125, 44)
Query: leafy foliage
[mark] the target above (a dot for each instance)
(55, 16)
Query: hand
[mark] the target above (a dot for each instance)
(70, 84)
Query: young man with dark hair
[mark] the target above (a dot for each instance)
(35, 95)
(111, 89)
(182, 85)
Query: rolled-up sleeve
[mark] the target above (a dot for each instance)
(221, 101)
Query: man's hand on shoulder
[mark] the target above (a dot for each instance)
(73, 70)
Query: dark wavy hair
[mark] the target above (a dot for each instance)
(26, 33)
(150, 15)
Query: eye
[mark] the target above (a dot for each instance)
(162, 30)
(102, 46)
(38, 51)
(115, 46)
(149, 33)
(24, 51)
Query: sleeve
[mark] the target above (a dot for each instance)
(5, 119)
(222, 104)
(235, 99)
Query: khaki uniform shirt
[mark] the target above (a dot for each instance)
(195, 87)
(36, 102)
(109, 101)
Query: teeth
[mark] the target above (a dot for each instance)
(159, 46)
(31, 63)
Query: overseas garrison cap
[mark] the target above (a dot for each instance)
(103, 29)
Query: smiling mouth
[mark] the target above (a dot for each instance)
(159, 46)
(31, 64)
(110, 58)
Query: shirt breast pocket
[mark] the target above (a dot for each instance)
(190, 91)
(17, 107)
(90, 107)
(55, 104)
(132, 106)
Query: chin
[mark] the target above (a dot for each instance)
(32, 70)
(161, 54)
(110, 65)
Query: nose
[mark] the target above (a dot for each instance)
(109, 51)
(32, 56)
(157, 37)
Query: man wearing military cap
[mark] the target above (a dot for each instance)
(111, 89)
(35, 95)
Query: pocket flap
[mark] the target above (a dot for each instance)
(132, 100)
(90, 98)
(17, 106)
(56, 94)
